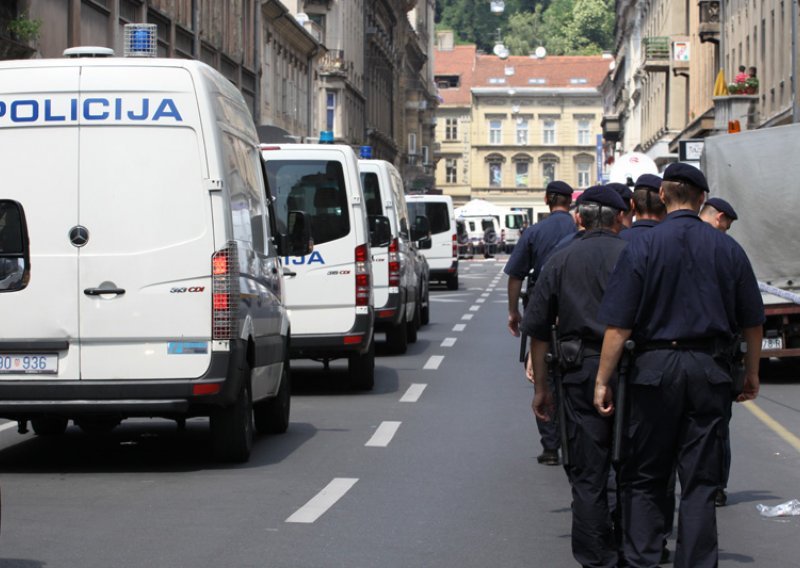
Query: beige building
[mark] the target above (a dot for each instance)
(512, 126)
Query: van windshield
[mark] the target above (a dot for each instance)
(316, 187)
(437, 215)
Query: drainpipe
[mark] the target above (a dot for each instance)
(311, 94)
(257, 41)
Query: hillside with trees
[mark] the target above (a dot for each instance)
(563, 27)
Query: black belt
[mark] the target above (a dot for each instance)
(707, 345)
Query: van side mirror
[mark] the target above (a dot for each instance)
(297, 241)
(380, 231)
(421, 232)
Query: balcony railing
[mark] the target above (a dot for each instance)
(333, 63)
(656, 53)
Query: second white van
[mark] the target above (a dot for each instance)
(443, 254)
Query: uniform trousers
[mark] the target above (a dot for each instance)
(589, 435)
(678, 403)
(549, 435)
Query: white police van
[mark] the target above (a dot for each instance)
(140, 269)
(443, 254)
(329, 291)
(401, 295)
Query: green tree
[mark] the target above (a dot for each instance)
(592, 27)
(525, 32)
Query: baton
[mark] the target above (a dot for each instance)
(561, 413)
(622, 385)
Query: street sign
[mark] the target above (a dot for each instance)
(690, 150)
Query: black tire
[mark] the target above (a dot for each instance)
(49, 425)
(452, 282)
(272, 415)
(361, 368)
(414, 325)
(232, 427)
(397, 338)
(425, 312)
(97, 425)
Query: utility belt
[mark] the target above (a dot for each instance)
(571, 352)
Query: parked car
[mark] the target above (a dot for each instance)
(443, 254)
(151, 279)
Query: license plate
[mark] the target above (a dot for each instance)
(29, 363)
(771, 343)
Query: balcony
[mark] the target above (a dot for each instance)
(709, 30)
(656, 53)
(735, 107)
(333, 63)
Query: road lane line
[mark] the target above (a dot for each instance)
(480, 300)
(474, 308)
(383, 435)
(485, 295)
(323, 500)
(413, 393)
(459, 327)
(448, 342)
(466, 317)
(773, 424)
(433, 362)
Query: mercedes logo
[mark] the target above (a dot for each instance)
(79, 235)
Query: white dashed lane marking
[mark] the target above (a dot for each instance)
(433, 362)
(413, 393)
(323, 500)
(480, 300)
(474, 308)
(459, 327)
(466, 317)
(448, 342)
(383, 435)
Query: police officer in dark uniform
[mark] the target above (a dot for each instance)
(627, 196)
(526, 262)
(680, 291)
(647, 205)
(570, 289)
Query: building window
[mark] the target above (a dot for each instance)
(522, 131)
(425, 156)
(548, 172)
(450, 170)
(412, 143)
(330, 110)
(495, 174)
(495, 131)
(584, 174)
(521, 174)
(584, 132)
(451, 129)
(549, 131)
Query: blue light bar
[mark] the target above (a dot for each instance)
(141, 40)
(326, 137)
(366, 152)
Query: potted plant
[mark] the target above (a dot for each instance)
(751, 85)
(24, 29)
(734, 88)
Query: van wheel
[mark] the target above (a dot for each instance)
(452, 282)
(232, 427)
(272, 415)
(362, 369)
(98, 425)
(49, 425)
(414, 325)
(397, 338)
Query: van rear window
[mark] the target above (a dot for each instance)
(316, 187)
(372, 193)
(514, 220)
(13, 247)
(437, 215)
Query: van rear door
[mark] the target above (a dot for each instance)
(144, 201)
(39, 167)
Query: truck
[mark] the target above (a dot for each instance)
(755, 172)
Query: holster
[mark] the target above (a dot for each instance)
(730, 356)
(570, 354)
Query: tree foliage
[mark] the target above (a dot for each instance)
(563, 27)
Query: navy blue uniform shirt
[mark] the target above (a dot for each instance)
(568, 240)
(683, 279)
(537, 243)
(637, 229)
(571, 287)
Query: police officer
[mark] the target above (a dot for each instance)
(570, 289)
(680, 291)
(627, 196)
(647, 206)
(718, 213)
(526, 262)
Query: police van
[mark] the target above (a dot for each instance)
(443, 254)
(329, 291)
(140, 266)
(401, 292)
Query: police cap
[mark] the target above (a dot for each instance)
(648, 181)
(603, 195)
(559, 187)
(722, 206)
(686, 173)
(624, 192)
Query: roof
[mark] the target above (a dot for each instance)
(477, 71)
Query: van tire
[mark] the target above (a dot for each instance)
(97, 425)
(361, 368)
(414, 325)
(397, 338)
(232, 427)
(272, 415)
(452, 282)
(49, 425)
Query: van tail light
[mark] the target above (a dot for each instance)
(394, 263)
(224, 292)
(363, 286)
(455, 246)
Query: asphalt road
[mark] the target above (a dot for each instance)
(434, 468)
